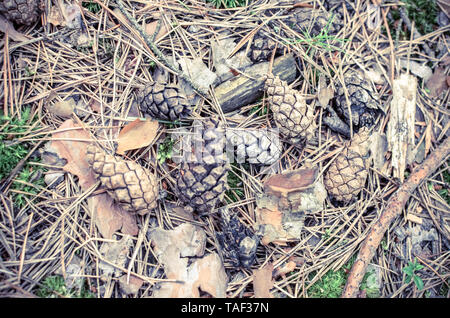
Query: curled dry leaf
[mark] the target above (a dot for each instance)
(263, 282)
(137, 134)
(173, 249)
(70, 142)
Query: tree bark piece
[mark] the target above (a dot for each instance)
(391, 211)
(400, 131)
(242, 90)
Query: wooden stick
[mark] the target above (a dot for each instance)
(393, 209)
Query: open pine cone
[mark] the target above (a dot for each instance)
(131, 185)
(237, 242)
(313, 22)
(256, 146)
(164, 101)
(20, 11)
(363, 102)
(262, 47)
(347, 174)
(202, 179)
(292, 115)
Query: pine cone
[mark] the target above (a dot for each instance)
(131, 185)
(202, 180)
(293, 116)
(347, 174)
(237, 242)
(313, 22)
(164, 101)
(257, 146)
(363, 103)
(262, 47)
(20, 11)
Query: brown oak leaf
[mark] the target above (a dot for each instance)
(70, 141)
(262, 281)
(137, 134)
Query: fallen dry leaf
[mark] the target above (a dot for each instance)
(63, 108)
(151, 28)
(437, 82)
(132, 286)
(286, 268)
(180, 251)
(73, 149)
(137, 134)
(262, 281)
(71, 142)
(115, 252)
(109, 217)
(66, 15)
(7, 27)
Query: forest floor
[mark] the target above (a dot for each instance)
(72, 77)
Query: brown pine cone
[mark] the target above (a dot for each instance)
(20, 11)
(130, 184)
(262, 47)
(164, 101)
(202, 180)
(347, 174)
(293, 116)
(313, 22)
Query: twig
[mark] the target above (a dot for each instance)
(391, 211)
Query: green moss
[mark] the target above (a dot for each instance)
(12, 152)
(228, 3)
(55, 287)
(332, 283)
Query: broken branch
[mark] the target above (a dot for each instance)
(391, 211)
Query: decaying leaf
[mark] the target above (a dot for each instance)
(7, 27)
(137, 134)
(437, 83)
(198, 72)
(63, 108)
(285, 269)
(130, 286)
(114, 253)
(109, 217)
(262, 281)
(181, 252)
(150, 29)
(287, 198)
(65, 15)
(70, 143)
